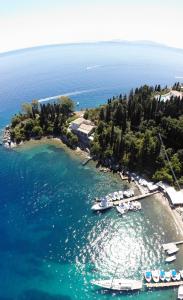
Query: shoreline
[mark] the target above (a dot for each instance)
(176, 217)
(80, 153)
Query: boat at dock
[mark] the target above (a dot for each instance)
(102, 205)
(178, 277)
(172, 250)
(170, 258)
(167, 276)
(119, 284)
(156, 275)
(180, 292)
(122, 208)
(174, 275)
(148, 276)
(181, 273)
(128, 193)
(162, 275)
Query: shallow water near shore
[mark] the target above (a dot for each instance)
(52, 245)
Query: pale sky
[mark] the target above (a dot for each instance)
(29, 23)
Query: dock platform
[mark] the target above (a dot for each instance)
(134, 198)
(164, 284)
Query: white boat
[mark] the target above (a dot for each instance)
(77, 103)
(168, 276)
(162, 275)
(128, 193)
(172, 250)
(122, 208)
(180, 292)
(174, 275)
(104, 204)
(156, 275)
(137, 205)
(148, 276)
(120, 194)
(114, 196)
(178, 276)
(170, 258)
(181, 273)
(119, 284)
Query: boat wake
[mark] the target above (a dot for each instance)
(74, 93)
(93, 67)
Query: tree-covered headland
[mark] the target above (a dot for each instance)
(48, 119)
(128, 129)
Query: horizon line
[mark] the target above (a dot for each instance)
(145, 42)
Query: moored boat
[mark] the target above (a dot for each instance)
(174, 275)
(119, 284)
(122, 208)
(181, 273)
(180, 292)
(156, 275)
(128, 193)
(162, 275)
(178, 276)
(170, 258)
(168, 276)
(148, 276)
(172, 250)
(104, 204)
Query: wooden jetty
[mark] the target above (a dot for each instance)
(134, 198)
(86, 160)
(163, 284)
(123, 177)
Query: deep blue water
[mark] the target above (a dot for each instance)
(51, 243)
(104, 69)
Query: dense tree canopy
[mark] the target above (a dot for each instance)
(128, 131)
(37, 120)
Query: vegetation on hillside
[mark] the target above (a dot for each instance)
(38, 120)
(128, 131)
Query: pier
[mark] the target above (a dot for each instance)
(164, 284)
(134, 198)
(86, 161)
(122, 176)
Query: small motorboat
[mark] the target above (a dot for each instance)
(137, 205)
(174, 275)
(178, 276)
(128, 193)
(172, 250)
(180, 292)
(156, 275)
(170, 258)
(162, 275)
(122, 208)
(168, 276)
(181, 273)
(120, 194)
(148, 276)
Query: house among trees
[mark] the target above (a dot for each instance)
(83, 129)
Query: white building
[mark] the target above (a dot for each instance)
(175, 197)
(83, 128)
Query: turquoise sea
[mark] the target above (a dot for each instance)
(51, 244)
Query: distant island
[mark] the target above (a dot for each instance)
(124, 133)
